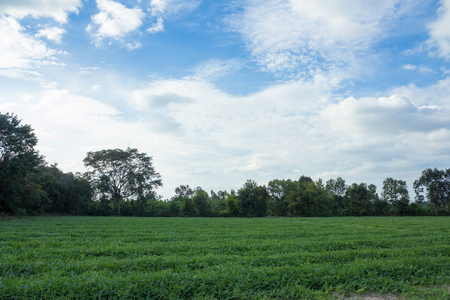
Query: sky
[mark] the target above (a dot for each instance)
(219, 92)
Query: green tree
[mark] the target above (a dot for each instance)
(278, 191)
(337, 189)
(233, 204)
(184, 198)
(188, 207)
(67, 193)
(18, 158)
(253, 199)
(395, 192)
(201, 202)
(359, 199)
(434, 186)
(218, 203)
(122, 174)
(310, 199)
(183, 191)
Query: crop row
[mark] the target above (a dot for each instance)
(222, 258)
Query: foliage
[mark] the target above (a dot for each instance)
(233, 205)
(337, 188)
(278, 191)
(360, 199)
(226, 258)
(122, 174)
(18, 158)
(202, 203)
(396, 193)
(67, 193)
(436, 183)
(253, 199)
(308, 198)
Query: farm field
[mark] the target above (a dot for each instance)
(220, 258)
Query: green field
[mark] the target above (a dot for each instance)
(204, 258)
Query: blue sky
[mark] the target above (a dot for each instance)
(219, 92)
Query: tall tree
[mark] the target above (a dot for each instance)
(122, 174)
(396, 193)
(18, 158)
(201, 202)
(183, 191)
(278, 191)
(434, 185)
(253, 199)
(218, 203)
(337, 189)
(310, 199)
(233, 204)
(359, 199)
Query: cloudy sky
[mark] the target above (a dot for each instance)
(218, 92)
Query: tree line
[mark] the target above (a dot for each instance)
(124, 182)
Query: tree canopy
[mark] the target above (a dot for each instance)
(122, 174)
(434, 186)
(396, 193)
(18, 158)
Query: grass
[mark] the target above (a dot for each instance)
(203, 258)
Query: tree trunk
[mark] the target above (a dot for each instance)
(118, 205)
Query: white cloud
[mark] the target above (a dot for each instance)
(409, 67)
(202, 136)
(384, 117)
(51, 33)
(134, 45)
(285, 36)
(157, 27)
(161, 9)
(423, 69)
(87, 70)
(114, 20)
(95, 88)
(440, 31)
(22, 55)
(299, 126)
(234, 138)
(215, 68)
(56, 9)
(172, 7)
(68, 125)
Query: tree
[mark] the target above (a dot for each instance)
(183, 201)
(183, 191)
(201, 202)
(67, 193)
(396, 193)
(233, 204)
(253, 199)
(360, 198)
(337, 189)
(278, 191)
(309, 199)
(218, 203)
(437, 185)
(18, 158)
(122, 174)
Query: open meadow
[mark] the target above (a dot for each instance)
(220, 258)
